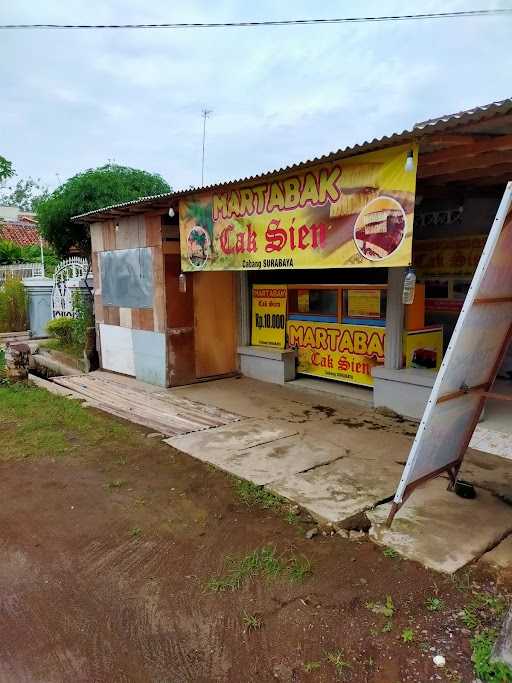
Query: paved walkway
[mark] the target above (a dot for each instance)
(337, 459)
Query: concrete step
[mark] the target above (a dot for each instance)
(45, 362)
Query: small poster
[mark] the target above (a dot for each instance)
(423, 349)
(303, 300)
(269, 316)
(363, 303)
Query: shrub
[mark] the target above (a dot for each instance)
(82, 307)
(62, 329)
(13, 306)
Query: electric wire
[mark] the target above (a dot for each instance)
(276, 22)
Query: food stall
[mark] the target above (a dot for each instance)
(339, 329)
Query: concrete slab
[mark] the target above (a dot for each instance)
(252, 398)
(238, 452)
(499, 557)
(344, 488)
(441, 530)
(489, 472)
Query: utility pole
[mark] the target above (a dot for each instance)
(206, 113)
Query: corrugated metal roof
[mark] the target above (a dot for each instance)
(420, 131)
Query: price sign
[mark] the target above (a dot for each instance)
(269, 316)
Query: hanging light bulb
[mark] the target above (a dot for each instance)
(409, 162)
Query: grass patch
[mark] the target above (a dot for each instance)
(251, 622)
(135, 532)
(482, 645)
(74, 350)
(262, 562)
(482, 606)
(35, 423)
(311, 666)
(256, 496)
(338, 661)
(390, 552)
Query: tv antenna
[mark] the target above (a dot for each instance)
(205, 114)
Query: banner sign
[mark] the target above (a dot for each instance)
(269, 316)
(363, 303)
(477, 347)
(343, 352)
(454, 256)
(353, 213)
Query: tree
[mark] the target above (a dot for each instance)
(89, 190)
(6, 169)
(26, 194)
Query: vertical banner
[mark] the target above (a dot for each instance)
(354, 213)
(269, 316)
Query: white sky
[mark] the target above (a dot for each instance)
(72, 100)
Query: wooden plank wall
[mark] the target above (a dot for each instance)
(132, 232)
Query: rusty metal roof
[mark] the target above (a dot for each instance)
(479, 119)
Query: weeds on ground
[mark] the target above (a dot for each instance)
(462, 581)
(262, 562)
(388, 626)
(252, 495)
(135, 531)
(387, 609)
(337, 659)
(115, 484)
(251, 622)
(311, 666)
(482, 645)
(390, 552)
(482, 605)
(35, 423)
(407, 635)
(434, 604)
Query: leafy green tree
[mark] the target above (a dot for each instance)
(26, 194)
(6, 169)
(89, 190)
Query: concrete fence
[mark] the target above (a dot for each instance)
(20, 271)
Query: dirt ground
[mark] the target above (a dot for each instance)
(105, 556)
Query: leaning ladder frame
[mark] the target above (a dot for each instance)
(483, 390)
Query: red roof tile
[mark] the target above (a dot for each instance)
(22, 232)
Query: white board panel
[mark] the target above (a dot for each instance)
(117, 349)
(474, 350)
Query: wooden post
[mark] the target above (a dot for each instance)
(244, 310)
(393, 354)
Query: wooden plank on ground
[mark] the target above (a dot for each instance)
(163, 412)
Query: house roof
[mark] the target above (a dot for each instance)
(434, 135)
(21, 232)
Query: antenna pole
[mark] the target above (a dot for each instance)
(205, 113)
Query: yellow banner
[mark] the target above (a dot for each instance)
(424, 349)
(455, 256)
(269, 316)
(354, 213)
(346, 353)
(363, 303)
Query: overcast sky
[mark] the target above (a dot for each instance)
(72, 100)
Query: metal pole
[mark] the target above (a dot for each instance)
(206, 113)
(42, 252)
